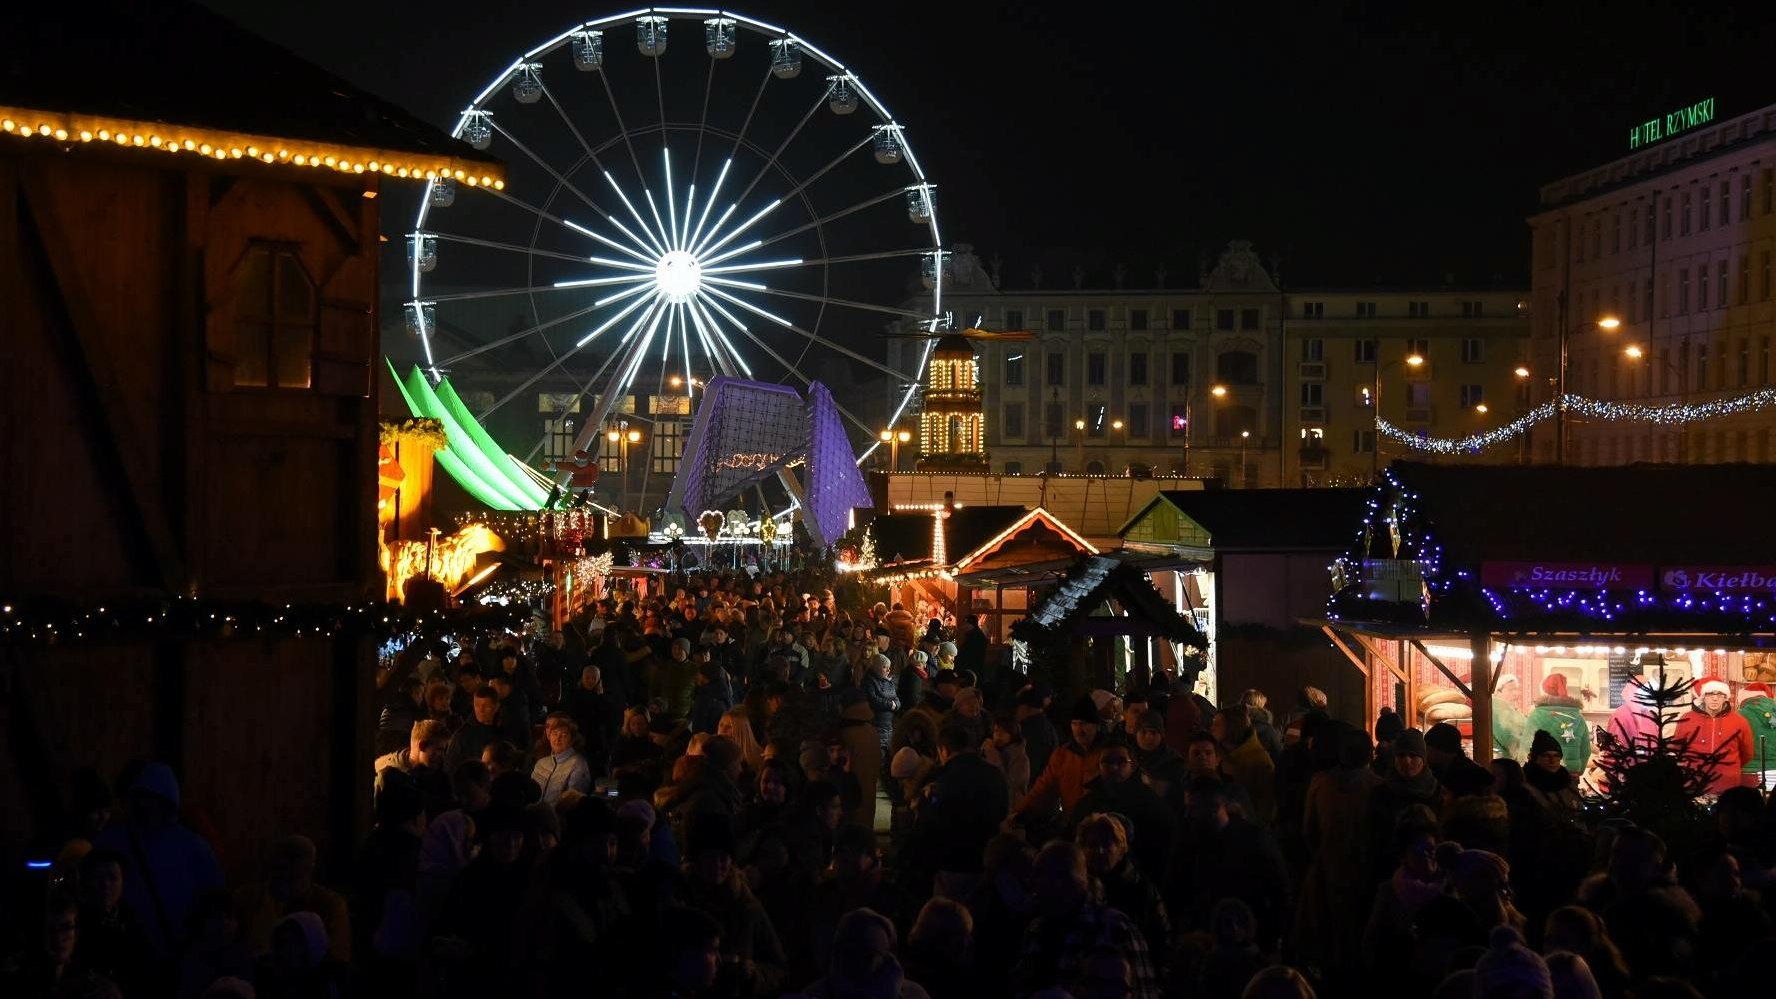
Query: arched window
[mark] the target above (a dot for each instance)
(955, 439)
(1237, 367)
(274, 320)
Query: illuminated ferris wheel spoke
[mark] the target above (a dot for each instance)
(567, 223)
(834, 217)
(735, 252)
(780, 359)
(711, 244)
(547, 168)
(528, 382)
(660, 229)
(791, 137)
(815, 337)
(829, 300)
(639, 221)
(517, 335)
(763, 265)
(709, 203)
(622, 265)
(507, 247)
(733, 358)
(621, 128)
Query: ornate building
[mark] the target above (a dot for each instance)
(952, 426)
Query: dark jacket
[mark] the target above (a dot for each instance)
(1237, 861)
(468, 743)
(967, 801)
(1133, 798)
(884, 701)
(1040, 740)
(710, 702)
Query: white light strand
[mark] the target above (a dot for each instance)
(1674, 415)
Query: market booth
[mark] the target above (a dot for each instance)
(1475, 593)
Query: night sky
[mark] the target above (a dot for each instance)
(1384, 143)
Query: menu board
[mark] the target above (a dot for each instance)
(1624, 667)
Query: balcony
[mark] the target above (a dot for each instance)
(1314, 456)
(1312, 371)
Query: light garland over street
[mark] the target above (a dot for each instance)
(1674, 415)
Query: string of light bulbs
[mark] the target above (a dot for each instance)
(1672, 415)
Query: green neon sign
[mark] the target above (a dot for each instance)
(1664, 127)
(472, 458)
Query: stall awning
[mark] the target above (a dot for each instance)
(1094, 581)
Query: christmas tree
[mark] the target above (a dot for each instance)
(1651, 778)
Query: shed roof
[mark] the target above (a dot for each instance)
(1302, 519)
(1092, 581)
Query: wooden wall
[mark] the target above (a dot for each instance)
(132, 465)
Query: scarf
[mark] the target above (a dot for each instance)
(1548, 782)
(1423, 787)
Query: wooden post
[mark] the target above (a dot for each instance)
(1480, 679)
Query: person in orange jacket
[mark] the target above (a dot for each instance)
(1712, 726)
(1069, 767)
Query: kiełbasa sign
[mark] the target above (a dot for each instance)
(1567, 575)
(1718, 578)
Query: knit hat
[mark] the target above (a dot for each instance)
(1507, 678)
(1714, 687)
(1409, 743)
(1101, 697)
(1151, 720)
(1544, 743)
(919, 656)
(1554, 685)
(944, 676)
(947, 650)
(1752, 690)
(638, 808)
(878, 661)
(1085, 711)
(157, 779)
(1388, 726)
(1444, 738)
(1510, 968)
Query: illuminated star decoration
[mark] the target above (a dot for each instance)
(683, 277)
(1675, 415)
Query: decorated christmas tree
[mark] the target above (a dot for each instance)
(1650, 777)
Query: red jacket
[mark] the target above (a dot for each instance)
(1069, 769)
(1726, 732)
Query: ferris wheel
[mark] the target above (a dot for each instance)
(737, 202)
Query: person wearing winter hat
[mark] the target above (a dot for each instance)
(1069, 767)
(1454, 769)
(1409, 783)
(1388, 726)
(1635, 723)
(170, 865)
(946, 655)
(1547, 780)
(1510, 968)
(1561, 716)
(1714, 730)
(1510, 729)
(1758, 707)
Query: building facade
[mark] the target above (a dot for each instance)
(1238, 378)
(1675, 240)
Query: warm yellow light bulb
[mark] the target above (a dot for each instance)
(1608, 323)
(1480, 407)
(1634, 352)
(1521, 372)
(1414, 360)
(634, 436)
(61, 134)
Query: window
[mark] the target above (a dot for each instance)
(1248, 319)
(1596, 237)
(1014, 320)
(1363, 441)
(1663, 372)
(1057, 320)
(1365, 310)
(1057, 368)
(1180, 319)
(1471, 396)
(1224, 319)
(1683, 291)
(1473, 350)
(1764, 360)
(1313, 349)
(1745, 197)
(1764, 281)
(1744, 278)
(1472, 310)
(1180, 367)
(1665, 220)
(1418, 310)
(1180, 421)
(1744, 371)
(1633, 227)
(1094, 319)
(1137, 419)
(1364, 352)
(1097, 419)
(1313, 394)
(1769, 190)
(1013, 421)
(1707, 212)
(274, 320)
(1096, 369)
(1616, 232)
(1419, 348)
(1138, 320)
(1578, 242)
(1633, 302)
(1014, 468)
(557, 410)
(1649, 221)
(668, 445)
(1237, 367)
(1138, 369)
(1702, 288)
(1051, 420)
(1014, 369)
(1648, 310)
(1701, 365)
(1313, 310)
(1720, 284)
(1683, 219)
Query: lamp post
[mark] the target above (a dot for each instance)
(1411, 361)
(622, 437)
(1601, 323)
(894, 439)
(1245, 436)
(1635, 352)
(1217, 392)
(1079, 426)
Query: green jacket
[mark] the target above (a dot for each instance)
(1560, 717)
(1760, 714)
(1510, 732)
(676, 683)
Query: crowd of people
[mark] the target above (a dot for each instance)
(743, 787)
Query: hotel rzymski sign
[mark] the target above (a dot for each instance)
(1629, 576)
(1664, 127)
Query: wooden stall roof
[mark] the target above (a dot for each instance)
(1263, 519)
(1095, 579)
(176, 63)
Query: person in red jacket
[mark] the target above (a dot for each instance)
(1069, 767)
(1713, 726)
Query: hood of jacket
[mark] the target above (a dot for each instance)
(1558, 701)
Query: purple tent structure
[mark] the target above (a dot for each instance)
(747, 431)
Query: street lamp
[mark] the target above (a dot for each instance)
(1635, 352)
(894, 439)
(1216, 392)
(1245, 435)
(1079, 427)
(1411, 361)
(1601, 323)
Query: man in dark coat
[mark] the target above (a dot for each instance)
(481, 731)
(1458, 774)
(1217, 855)
(965, 803)
(713, 697)
(1040, 737)
(599, 714)
(1119, 790)
(971, 650)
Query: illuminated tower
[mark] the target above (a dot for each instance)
(952, 425)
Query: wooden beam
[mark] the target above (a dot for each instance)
(327, 208)
(1398, 670)
(1481, 644)
(1356, 660)
(1493, 686)
(1459, 685)
(119, 430)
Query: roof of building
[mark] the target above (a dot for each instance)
(1297, 519)
(907, 536)
(1092, 581)
(177, 63)
(953, 345)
